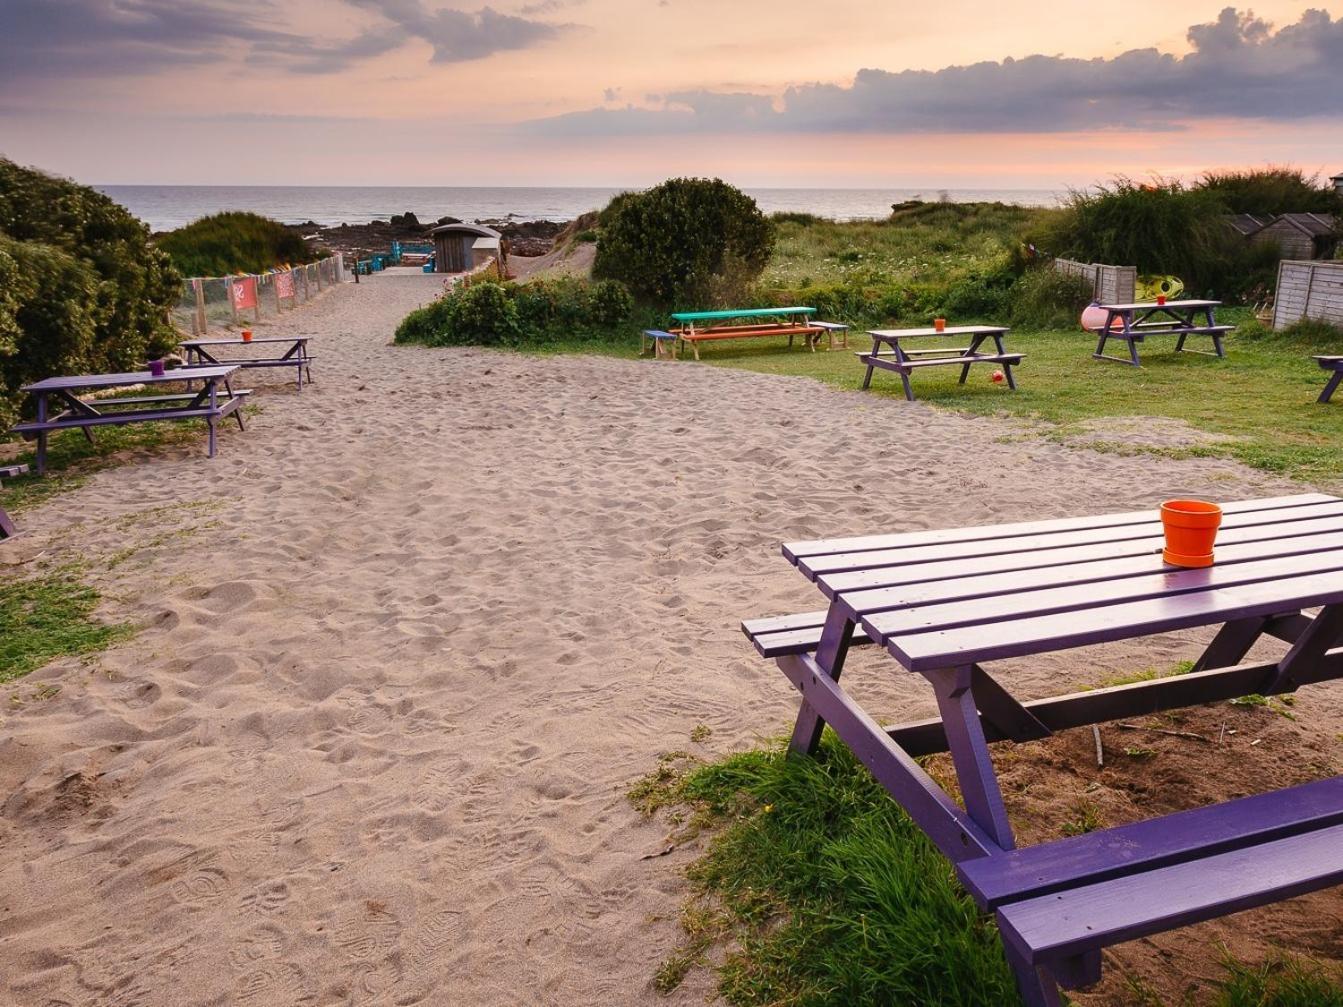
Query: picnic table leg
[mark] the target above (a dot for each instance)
(970, 752)
(1036, 986)
(7, 529)
(213, 419)
(965, 368)
(830, 654)
(1328, 392)
(42, 435)
(1007, 368)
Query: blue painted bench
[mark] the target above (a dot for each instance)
(1334, 364)
(664, 343)
(941, 602)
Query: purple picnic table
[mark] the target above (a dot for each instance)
(904, 361)
(215, 400)
(202, 353)
(7, 529)
(945, 604)
(1141, 319)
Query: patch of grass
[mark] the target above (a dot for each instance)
(71, 458)
(48, 617)
(829, 893)
(1281, 981)
(701, 733)
(664, 785)
(1258, 403)
(1277, 704)
(1086, 817)
(1147, 675)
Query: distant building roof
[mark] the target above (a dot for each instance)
(485, 243)
(480, 230)
(1317, 225)
(1247, 223)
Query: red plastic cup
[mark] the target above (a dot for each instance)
(1161, 298)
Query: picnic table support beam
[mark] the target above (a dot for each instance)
(1232, 642)
(951, 830)
(7, 529)
(1139, 699)
(970, 753)
(1307, 653)
(836, 637)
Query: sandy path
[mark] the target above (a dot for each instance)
(409, 639)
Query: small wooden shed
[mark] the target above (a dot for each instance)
(1302, 235)
(459, 248)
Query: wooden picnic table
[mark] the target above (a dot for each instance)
(904, 361)
(7, 529)
(212, 402)
(1148, 318)
(735, 323)
(1335, 366)
(202, 353)
(945, 604)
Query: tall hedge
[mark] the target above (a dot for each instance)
(81, 286)
(687, 243)
(234, 241)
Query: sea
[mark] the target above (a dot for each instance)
(165, 207)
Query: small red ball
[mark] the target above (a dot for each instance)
(997, 377)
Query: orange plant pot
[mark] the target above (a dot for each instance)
(1191, 528)
(246, 335)
(939, 324)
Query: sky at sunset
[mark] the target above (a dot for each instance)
(954, 93)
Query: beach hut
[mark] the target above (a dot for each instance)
(459, 248)
(1301, 235)
(1338, 181)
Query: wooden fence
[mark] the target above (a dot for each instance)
(1308, 290)
(1109, 284)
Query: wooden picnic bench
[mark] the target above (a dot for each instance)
(1135, 322)
(1334, 364)
(7, 529)
(202, 353)
(944, 604)
(790, 322)
(214, 401)
(895, 356)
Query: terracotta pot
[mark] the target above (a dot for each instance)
(246, 335)
(1191, 528)
(939, 324)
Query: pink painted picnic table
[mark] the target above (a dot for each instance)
(947, 604)
(208, 353)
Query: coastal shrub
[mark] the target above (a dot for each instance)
(232, 242)
(1044, 298)
(83, 288)
(1272, 190)
(542, 312)
(684, 242)
(1162, 228)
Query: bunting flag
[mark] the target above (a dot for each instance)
(244, 292)
(284, 285)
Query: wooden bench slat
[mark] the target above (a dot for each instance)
(929, 598)
(225, 407)
(835, 584)
(816, 547)
(841, 562)
(1078, 628)
(1033, 871)
(890, 363)
(800, 641)
(1111, 912)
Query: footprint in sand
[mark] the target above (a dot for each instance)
(272, 984)
(435, 790)
(369, 931)
(267, 899)
(261, 944)
(201, 888)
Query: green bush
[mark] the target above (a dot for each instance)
(233, 242)
(687, 243)
(543, 312)
(1162, 228)
(1044, 298)
(81, 286)
(1271, 191)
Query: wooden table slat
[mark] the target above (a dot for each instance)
(835, 584)
(840, 562)
(127, 378)
(1078, 576)
(1065, 630)
(818, 547)
(986, 613)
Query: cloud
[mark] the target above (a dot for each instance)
(458, 36)
(1238, 67)
(45, 39)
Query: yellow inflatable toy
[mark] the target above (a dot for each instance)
(1149, 288)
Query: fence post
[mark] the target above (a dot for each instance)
(319, 276)
(198, 316)
(1310, 288)
(307, 294)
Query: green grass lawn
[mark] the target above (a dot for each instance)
(822, 891)
(1261, 397)
(47, 617)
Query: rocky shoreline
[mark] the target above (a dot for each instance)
(527, 238)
